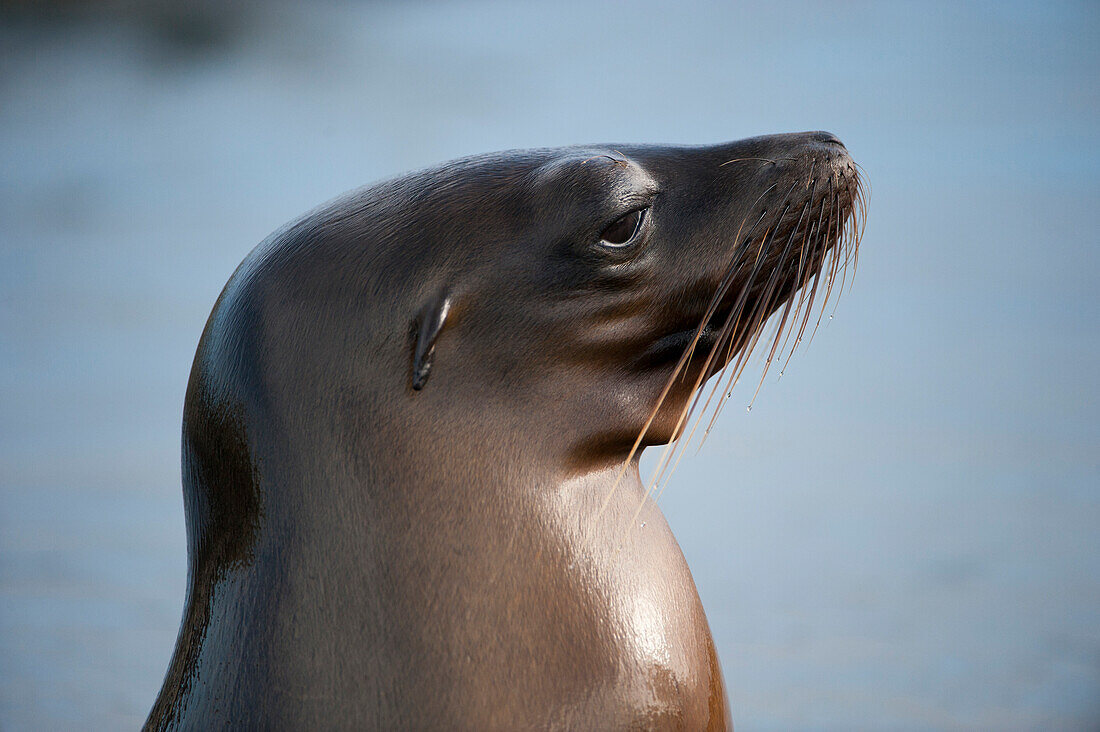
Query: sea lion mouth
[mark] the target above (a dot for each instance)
(668, 349)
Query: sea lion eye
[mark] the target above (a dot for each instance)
(624, 229)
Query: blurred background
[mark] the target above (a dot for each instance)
(904, 533)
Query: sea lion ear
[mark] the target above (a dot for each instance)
(429, 324)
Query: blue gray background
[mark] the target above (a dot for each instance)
(904, 533)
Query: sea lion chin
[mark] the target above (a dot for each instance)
(412, 430)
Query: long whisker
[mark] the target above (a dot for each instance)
(833, 264)
(679, 364)
(766, 160)
(817, 276)
(790, 300)
(742, 360)
(802, 288)
(802, 273)
(827, 245)
(833, 231)
(727, 280)
(765, 245)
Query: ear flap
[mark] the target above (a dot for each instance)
(429, 324)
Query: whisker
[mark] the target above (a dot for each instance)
(767, 160)
(764, 304)
(798, 288)
(802, 275)
(831, 276)
(790, 300)
(689, 407)
(609, 157)
(682, 361)
(826, 247)
(723, 286)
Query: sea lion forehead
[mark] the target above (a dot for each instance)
(581, 165)
(592, 181)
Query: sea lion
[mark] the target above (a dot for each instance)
(412, 430)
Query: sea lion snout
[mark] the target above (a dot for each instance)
(827, 138)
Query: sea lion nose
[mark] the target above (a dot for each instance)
(826, 137)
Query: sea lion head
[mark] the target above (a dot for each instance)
(574, 298)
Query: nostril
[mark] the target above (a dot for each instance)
(826, 137)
